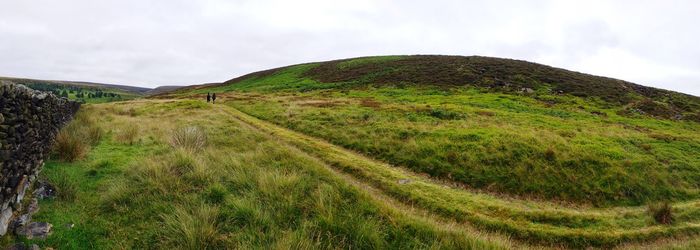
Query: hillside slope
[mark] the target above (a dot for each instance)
(124, 88)
(315, 156)
(497, 125)
(88, 92)
(499, 74)
(162, 89)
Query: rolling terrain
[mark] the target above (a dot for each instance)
(541, 137)
(429, 152)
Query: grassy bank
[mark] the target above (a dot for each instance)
(180, 174)
(536, 145)
(184, 174)
(531, 221)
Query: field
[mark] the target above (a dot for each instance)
(243, 188)
(335, 155)
(500, 143)
(537, 145)
(255, 184)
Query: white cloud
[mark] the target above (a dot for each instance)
(161, 42)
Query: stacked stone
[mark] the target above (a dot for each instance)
(29, 122)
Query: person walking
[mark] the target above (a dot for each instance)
(213, 98)
(208, 97)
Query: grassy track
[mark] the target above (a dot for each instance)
(540, 222)
(531, 144)
(243, 189)
(256, 184)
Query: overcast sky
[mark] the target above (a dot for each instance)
(177, 42)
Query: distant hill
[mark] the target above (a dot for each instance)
(162, 89)
(88, 92)
(506, 75)
(125, 88)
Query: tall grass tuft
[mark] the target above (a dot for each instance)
(66, 188)
(69, 146)
(117, 195)
(88, 129)
(662, 213)
(182, 163)
(73, 141)
(192, 228)
(192, 139)
(215, 194)
(128, 135)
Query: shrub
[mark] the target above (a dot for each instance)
(195, 228)
(657, 109)
(662, 213)
(189, 138)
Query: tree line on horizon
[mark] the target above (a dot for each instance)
(78, 91)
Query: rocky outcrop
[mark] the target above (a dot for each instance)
(29, 122)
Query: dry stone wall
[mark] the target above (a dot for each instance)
(29, 122)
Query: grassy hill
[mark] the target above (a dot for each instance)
(435, 152)
(497, 74)
(498, 125)
(162, 89)
(87, 92)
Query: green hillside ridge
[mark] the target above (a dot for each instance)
(502, 75)
(86, 92)
(516, 128)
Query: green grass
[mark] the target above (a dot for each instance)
(576, 169)
(257, 185)
(532, 221)
(280, 80)
(243, 190)
(499, 142)
(356, 62)
(123, 96)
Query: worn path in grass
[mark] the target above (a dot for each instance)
(446, 223)
(260, 193)
(532, 221)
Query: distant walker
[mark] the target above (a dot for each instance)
(208, 97)
(213, 98)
